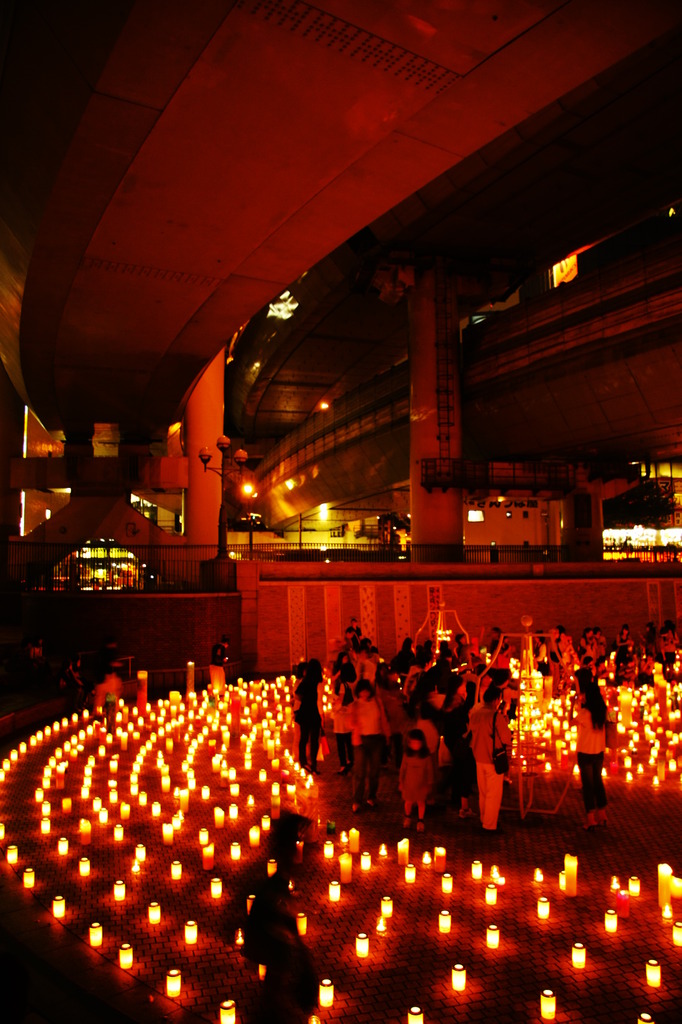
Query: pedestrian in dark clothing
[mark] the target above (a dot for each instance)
(308, 715)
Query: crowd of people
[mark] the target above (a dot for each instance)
(441, 717)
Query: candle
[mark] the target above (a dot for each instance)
(410, 873)
(176, 870)
(653, 973)
(571, 869)
(167, 832)
(191, 933)
(677, 933)
(265, 823)
(12, 854)
(633, 885)
(578, 955)
(118, 833)
(125, 956)
(334, 892)
(85, 830)
(665, 873)
(272, 867)
(365, 861)
(228, 1011)
(119, 890)
(58, 906)
(491, 894)
(140, 852)
(235, 851)
(645, 1018)
(386, 906)
(439, 859)
(62, 846)
(326, 993)
(208, 856)
(623, 903)
(415, 1015)
(446, 882)
(547, 1004)
(362, 945)
(492, 936)
(403, 852)
(562, 881)
(95, 934)
(173, 982)
(154, 912)
(328, 849)
(611, 921)
(302, 924)
(84, 867)
(219, 817)
(543, 908)
(354, 841)
(476, 870)
(444, 922)
(459, 978)
(345, 868)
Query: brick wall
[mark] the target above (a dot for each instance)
(161, 631)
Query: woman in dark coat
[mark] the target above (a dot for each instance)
(308, 715)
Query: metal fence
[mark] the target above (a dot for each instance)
(191, 569)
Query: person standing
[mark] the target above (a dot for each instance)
(342, 697)
(591, 741)
(308, 715)
(416, 777)
(485, 720)
(370, 732)
(217, 666)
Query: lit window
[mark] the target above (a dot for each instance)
(475, 515)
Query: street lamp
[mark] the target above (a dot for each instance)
(231, 466)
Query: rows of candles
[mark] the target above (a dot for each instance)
(230, 736)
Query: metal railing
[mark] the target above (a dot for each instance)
(58, 568)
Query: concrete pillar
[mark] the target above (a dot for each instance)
(436, 517)
(203, 424)
(582, 519)
(11, 434)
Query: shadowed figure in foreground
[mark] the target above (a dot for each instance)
(290, 988)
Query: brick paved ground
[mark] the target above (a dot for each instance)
(410, 965)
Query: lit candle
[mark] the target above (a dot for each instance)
(173, 982)
(326, 994)
(29, 877)
(543, 908)
(459, 978)
(366, 861)
(571, 869)
(119, 890)
(125, 956)
(191, 933)
(410, 874)
(578, 955)
(415, 1015)
(140, 852)
(254, 835)
(167, 832)
(547, 1004)
(665, 873)
(444, 922)
(176, 870)
(302, 924)
(216, 888)
(446, 882)
(85, 831)
(345, 868)
(118, 833)
(84, 867)
(219, 817)
(403, 852)
(491, 894)
(386, 906)
(272, 867)
(476, 870)
(58, 906)
(633, 885)
(562, 881)
(62, 846)
(439, 859)
(208, 856)
(492, 936)
(154, 912)
(203, 836)
(653, 973)
(623, 903)
(362, 945)
(228, 1011)
(611, 921)
(95, 934)
(328, 849)
(334, 892)
(645, 1018)
(354, 841)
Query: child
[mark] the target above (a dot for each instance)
(416, 776)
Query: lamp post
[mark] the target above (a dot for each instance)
(231, 466)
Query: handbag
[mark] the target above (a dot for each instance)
(500, 758)
(611, 730)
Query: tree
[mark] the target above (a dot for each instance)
(651, 503)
